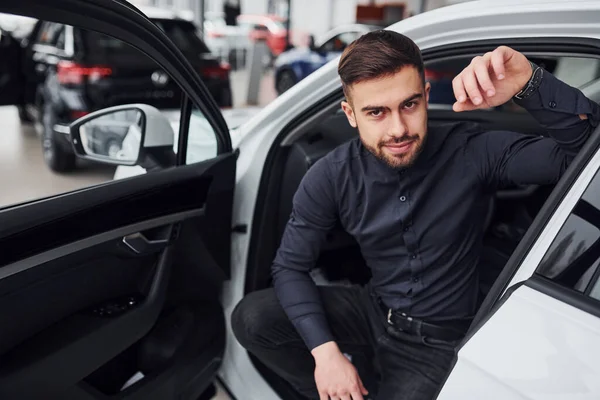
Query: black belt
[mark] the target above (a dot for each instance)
(443, 330)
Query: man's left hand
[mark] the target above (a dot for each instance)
(491, 80)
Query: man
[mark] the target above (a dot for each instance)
(415, 199)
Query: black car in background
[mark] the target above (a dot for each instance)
(68, 72)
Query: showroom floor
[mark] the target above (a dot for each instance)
(24, 175)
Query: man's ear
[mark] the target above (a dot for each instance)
(349, 113)
(427, 90)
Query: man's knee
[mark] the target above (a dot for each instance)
(255, 316)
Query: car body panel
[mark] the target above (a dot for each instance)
(265, 27)
(534, 347)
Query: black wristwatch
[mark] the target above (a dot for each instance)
(533, 84)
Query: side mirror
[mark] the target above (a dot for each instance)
(134, 134)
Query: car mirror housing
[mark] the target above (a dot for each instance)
(134, 134)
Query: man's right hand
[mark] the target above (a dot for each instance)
(335, 376)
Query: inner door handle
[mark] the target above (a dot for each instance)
(140, 244)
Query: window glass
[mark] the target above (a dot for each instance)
(339, 42)
(580, 72)
(37, 158)
(573, 258)
(49, 33)
(202, 142)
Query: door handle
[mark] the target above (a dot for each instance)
(140, 244)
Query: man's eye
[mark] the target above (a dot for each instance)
(409, 105)
(375, 113)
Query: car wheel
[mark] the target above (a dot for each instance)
(56, 158)
(285, 81)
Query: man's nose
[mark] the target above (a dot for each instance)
(398, 127)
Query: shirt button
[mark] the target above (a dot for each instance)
(552, 104)
(406, 229)
(413, 256)
(416, 279)
(402, 198)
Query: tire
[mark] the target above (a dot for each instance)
(285, 80)
(56, 158)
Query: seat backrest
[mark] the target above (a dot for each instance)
(302, 155)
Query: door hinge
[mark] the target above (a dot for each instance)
(241, 228)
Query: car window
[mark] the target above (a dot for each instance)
(202, 142)
(184, 35)
(580, 72)
(104, 72)
(339, 42)
(50, 33)
(573, 257)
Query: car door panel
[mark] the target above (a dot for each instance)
(542, 348)
(64, 269)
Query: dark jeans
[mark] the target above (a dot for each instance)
(409, 367)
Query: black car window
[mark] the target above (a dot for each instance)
(184, 34)
(573, 258)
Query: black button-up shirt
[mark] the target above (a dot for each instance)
(420, 229)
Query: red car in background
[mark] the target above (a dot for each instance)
(271, 28)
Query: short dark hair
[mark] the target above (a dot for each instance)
(377, 54)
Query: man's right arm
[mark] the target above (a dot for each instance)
(314, 213)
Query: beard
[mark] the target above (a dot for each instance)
(397, 161)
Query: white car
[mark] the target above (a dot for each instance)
(138, 277)
(230, 42)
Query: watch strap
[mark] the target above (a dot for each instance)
(533, 84)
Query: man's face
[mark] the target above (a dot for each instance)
(391, 115)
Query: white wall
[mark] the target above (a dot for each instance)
(307, 16)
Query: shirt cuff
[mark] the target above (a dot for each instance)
(314, 330)
(553, 98)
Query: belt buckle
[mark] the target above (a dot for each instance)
(389, 317)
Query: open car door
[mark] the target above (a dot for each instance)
(112, 291)
(539, 340)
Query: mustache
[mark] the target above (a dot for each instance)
(397, 140)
